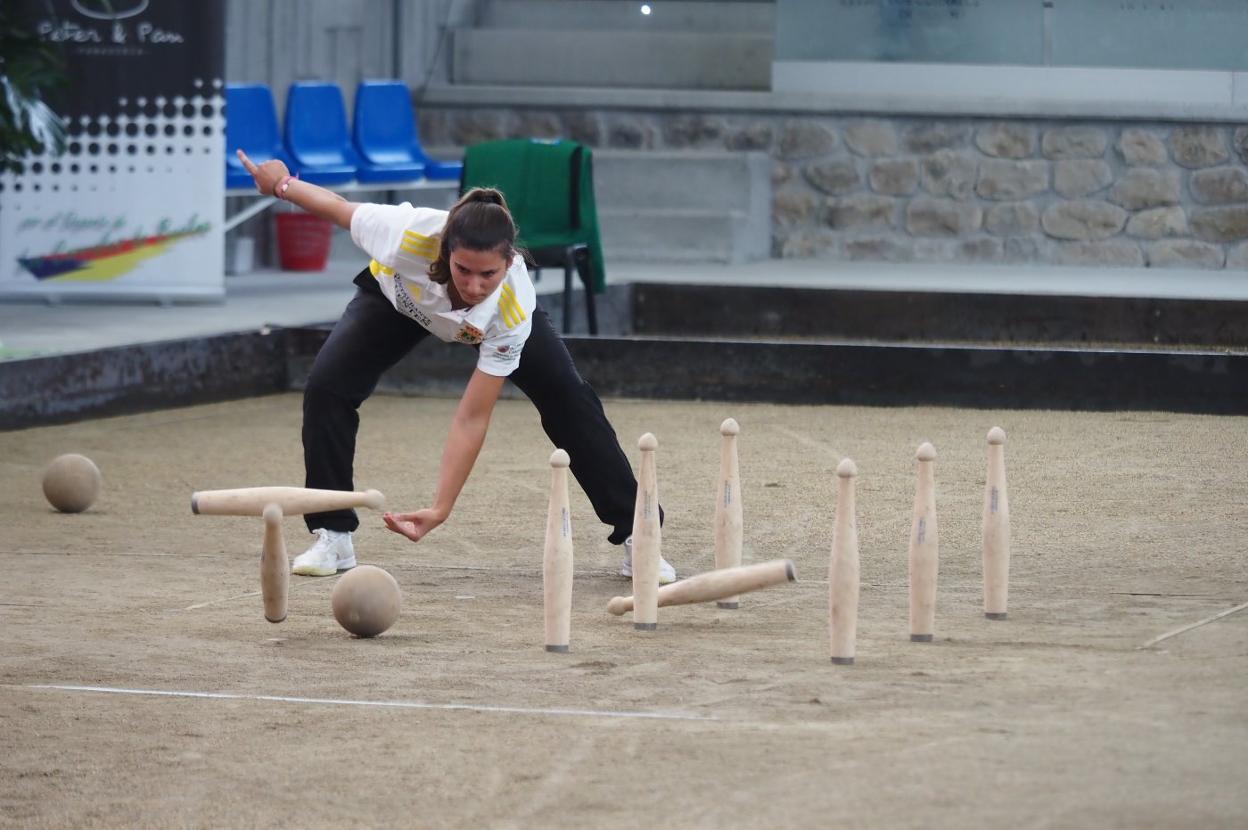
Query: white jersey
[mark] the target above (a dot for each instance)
(403, 240)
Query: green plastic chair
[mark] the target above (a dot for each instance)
(549, 187)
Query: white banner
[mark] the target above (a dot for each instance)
(134, 207)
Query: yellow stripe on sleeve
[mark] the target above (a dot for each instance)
(510, 296)
(508, 313)
(427, 253)
(425, 249)
(419, 245)
(509, 310)
(378, 269)
(419, 238)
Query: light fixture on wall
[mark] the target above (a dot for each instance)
(645, 8)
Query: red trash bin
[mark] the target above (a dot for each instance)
(302, 241)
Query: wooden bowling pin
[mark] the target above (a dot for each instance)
(843, 569)
(557, 558)
(274, 566)
(647, 541)
(728, 515)
(924, 553)
(996, 530)
(251, 501)
(716, 584)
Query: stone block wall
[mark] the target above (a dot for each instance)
(932, 189)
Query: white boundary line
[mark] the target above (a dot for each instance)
(207, 603)
(223, 600)
(382, 704)
(106, 553)
(1197, 624)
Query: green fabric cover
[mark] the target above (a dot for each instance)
(536, 177)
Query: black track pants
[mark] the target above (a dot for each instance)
(372, 336)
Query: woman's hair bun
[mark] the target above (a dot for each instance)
(485, 194)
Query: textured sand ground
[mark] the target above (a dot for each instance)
(1125, 526)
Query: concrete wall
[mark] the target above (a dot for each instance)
(921, 188)
(344, 41)
(890, 186)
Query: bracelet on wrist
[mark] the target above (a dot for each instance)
(281, 187)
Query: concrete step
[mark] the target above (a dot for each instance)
(683, 206)
(621, 59)
(681, 235)
(616, 16)
(682, 179)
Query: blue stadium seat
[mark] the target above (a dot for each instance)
(385, 135)
(316, 134)
(250, 124)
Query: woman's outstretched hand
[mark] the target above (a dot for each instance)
(267, 174)
(413, 525)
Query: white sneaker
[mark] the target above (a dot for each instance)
(330, 553)
(667, 574)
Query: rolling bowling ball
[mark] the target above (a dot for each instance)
(366, 600)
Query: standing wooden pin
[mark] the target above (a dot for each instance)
(924, 551)
(728, 515)
(274, 566)
(557, 559)
(647, 540)
(996, 530)
(843, 569)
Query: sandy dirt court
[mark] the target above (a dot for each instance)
(1125, 527)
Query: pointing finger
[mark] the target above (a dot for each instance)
(248, 164)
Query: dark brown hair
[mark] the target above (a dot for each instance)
(479, 221)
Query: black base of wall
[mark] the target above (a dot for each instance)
(49, 390)
(933, 317)
(872, 375)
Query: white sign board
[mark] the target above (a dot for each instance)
(134, 208)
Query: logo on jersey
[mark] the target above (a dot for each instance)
(407, 305)
(507, 353)
(470, 334)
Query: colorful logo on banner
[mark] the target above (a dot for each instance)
(105, 261)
